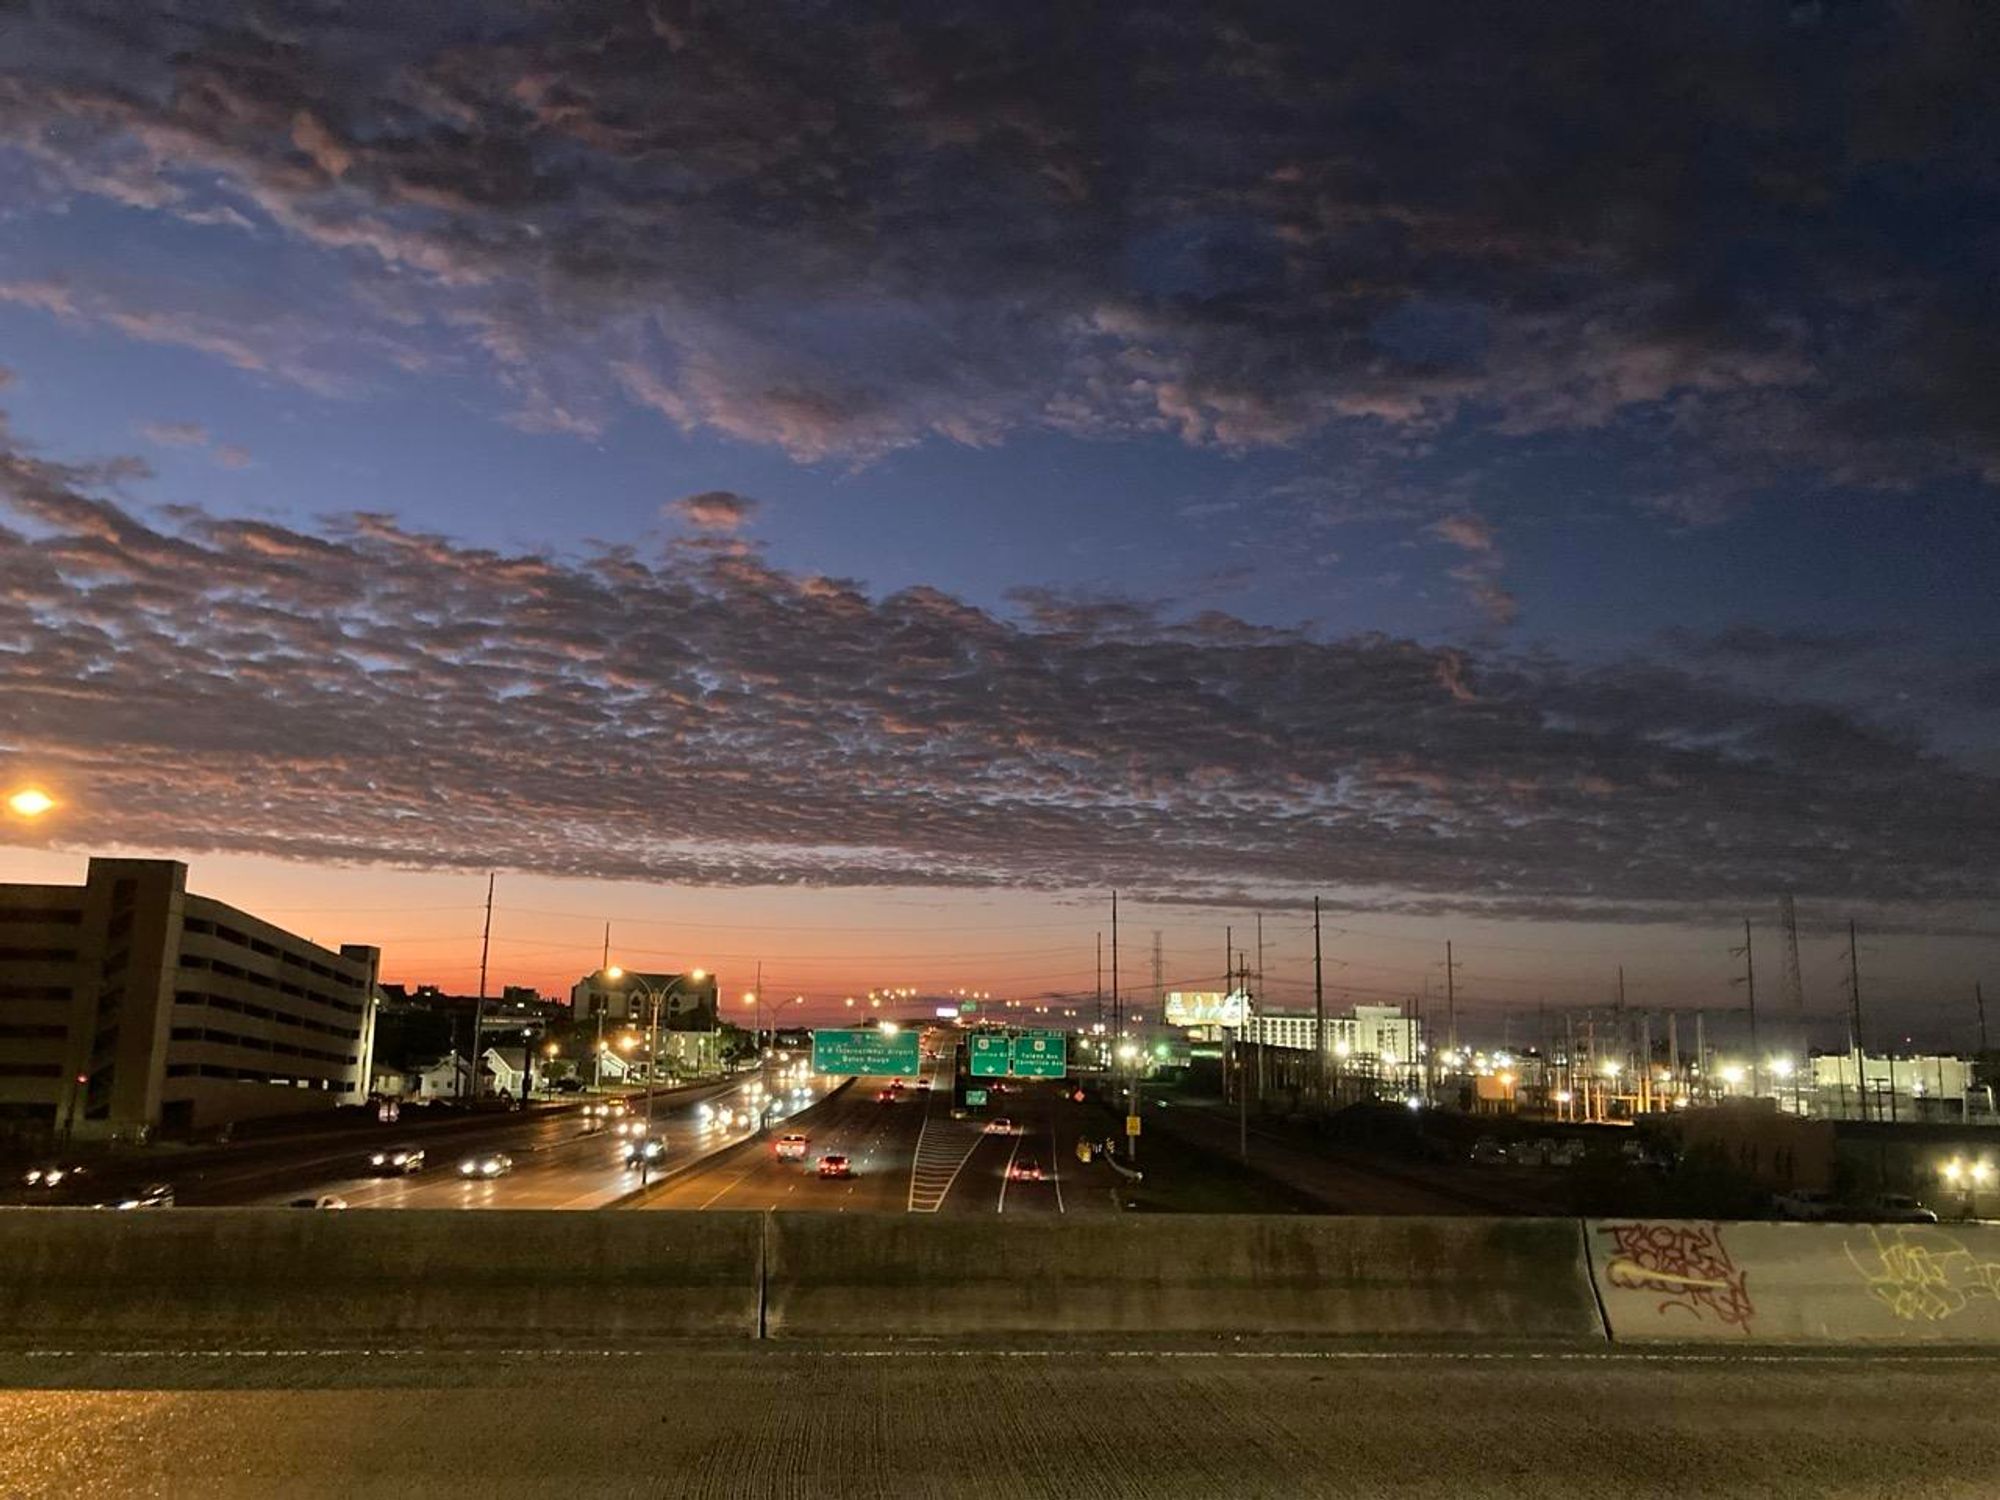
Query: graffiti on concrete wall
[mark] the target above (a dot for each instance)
(1922, 1273)
(1687, 1266)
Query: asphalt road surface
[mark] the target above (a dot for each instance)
(559, 1162)
(907, 1153)
(1148, 1425)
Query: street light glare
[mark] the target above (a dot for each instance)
(30, 802)
(614, 972)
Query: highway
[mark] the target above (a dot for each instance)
(907, 1153)
(560, 1161)
(1145, 1424)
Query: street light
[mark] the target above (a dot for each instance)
(30, 802)
(654, 997)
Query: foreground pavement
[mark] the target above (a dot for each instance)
(1107, 1422)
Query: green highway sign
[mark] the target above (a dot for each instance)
(986, 1055)
(1041, 1054)
(975, 1097)
(853, 1053)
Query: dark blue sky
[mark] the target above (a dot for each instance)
(1540, 461)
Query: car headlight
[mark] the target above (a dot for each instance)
(468, 1167)
(377, 1159)
(52, 1178)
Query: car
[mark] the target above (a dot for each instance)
(1025, 1169)
(630, 1129)
(924, 1084)
(790, 1148)
(1000, 1125)
(569, 1085)
(887, 1096)
(324, 1200)
(1806, 1205)
(486, 1165)
(647, 1152)
(1487, 1152)
(1898, 1208)
(50, 1176)
(397, 1159)
(159, 1195)
(834, 1164)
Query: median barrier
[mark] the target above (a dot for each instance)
(934, 1277)
(207, 1276)
(1698, 1281)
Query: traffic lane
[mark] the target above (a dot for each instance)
(1051, 1124)
(879, 1140)
(984, 1184)
(554, 1168)
(237, 1181)
(1135, 1423)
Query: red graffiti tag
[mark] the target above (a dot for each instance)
(1687, 1265)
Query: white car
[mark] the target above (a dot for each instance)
(487, 1165)
(324, 1200)
(1898, 1208)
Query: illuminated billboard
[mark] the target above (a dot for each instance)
(1204, 1008)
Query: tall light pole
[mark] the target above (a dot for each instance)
(654, 997)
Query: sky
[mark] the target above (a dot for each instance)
(847, 489)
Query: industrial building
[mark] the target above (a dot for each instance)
(130, 1006)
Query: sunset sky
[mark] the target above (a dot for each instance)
(847, 492)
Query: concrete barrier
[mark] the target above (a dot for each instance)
(1681, 1281)
(211, 1276)
(904, 1276)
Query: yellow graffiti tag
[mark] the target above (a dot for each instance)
(1923, 1274)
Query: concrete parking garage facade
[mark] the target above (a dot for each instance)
(130, 1006)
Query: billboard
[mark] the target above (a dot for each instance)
(1204, 1008)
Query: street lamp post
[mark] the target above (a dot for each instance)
(655, 997)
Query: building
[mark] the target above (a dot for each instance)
(624, 1004)
(1368, 1031)
(1897, 1088)
(625, 997)
(130, 1006)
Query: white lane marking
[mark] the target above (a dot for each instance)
(1007, 1176)
(1055, 1166)
(932, 1176)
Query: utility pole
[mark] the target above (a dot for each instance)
(479, 1008)
(1118, 1036)
(1100, 979)
(1855, 1035)
(1243, 1094)
(1319, 1016)
(1979, 999)
(1450, 1002)
(1749, 982)
(1229, 1062)
(607, 949)
(1262, 1083)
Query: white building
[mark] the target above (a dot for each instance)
(1368, 1031)
(1924, 1077)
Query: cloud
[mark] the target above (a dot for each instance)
(229, 456)
(369, 692)
(840, 234)
(714, 510)
(7, 377)
(1480, 576)
(175, 434)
